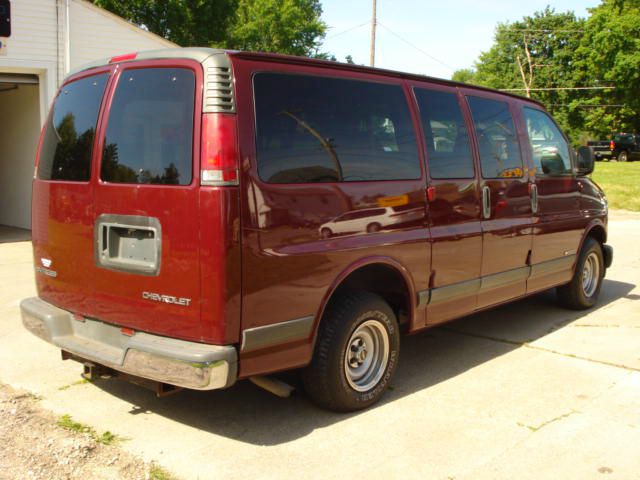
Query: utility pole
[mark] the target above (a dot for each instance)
(372, 56)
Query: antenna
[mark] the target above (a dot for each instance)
(372, 55)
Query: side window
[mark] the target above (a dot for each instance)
(67, 144)
(150, 129)
(497, 140)
(445, 133)
(319, 129)
(549, 148)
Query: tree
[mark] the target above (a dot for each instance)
(464, 75)
(609, 54)
(283, 26)
(535, 52)
(185, 22)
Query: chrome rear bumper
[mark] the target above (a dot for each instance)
(168, 360)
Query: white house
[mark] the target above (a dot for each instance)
(48, 39)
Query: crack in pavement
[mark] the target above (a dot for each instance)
(547, 422)
(542, 349)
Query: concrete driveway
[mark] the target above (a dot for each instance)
(528, 390)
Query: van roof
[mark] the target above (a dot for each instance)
(201, 54)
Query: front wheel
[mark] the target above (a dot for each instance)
(356, 353)
(583, 289)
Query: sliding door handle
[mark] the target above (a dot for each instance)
(486, 202)
(533, 192)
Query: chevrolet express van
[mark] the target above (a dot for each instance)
(181, 198)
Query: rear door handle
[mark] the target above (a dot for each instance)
(486, 202)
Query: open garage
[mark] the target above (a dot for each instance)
(48, 39)
(19, 127)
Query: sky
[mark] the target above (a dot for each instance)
(426, 36)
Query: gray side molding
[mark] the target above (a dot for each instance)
(276, 334)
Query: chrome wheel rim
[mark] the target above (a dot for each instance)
(367, 355)
(590, 274)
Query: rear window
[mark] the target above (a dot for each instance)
(497, 140)
(67, 144)
(317, 129)
(149, 136)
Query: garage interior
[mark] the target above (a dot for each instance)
(19, 132)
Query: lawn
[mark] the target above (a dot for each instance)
(621, 183)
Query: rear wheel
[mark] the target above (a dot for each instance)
(325, 233)
(583, 290)
(373, 227)
(623, 157)
(356, 353)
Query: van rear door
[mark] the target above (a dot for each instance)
(146, 227)
(62, 203)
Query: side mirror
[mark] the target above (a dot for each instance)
(586, 161)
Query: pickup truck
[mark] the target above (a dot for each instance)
(600, 149)
(625, 147)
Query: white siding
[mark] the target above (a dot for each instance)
(97, 34)
(34, 31)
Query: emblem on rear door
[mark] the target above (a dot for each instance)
(156, 297)
(46, 263)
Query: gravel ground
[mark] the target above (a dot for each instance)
(34, 446)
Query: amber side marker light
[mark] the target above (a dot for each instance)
(129, 332)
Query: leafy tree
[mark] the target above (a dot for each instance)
(464, 75)
(535, 52)
(283, 26)
(185, 22)
(609, 54)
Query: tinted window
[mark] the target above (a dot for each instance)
(549, 148)
(68, 139)
(497, 140)
(150, 130)
(314, 129)
(445, 134)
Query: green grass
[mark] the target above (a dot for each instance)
(621, 183)
(106, 438)
(156, 472)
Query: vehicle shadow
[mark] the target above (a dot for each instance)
(248, 414)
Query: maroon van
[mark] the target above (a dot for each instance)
(203, 216)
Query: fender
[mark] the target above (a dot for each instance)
(351, 268)
(593, 224)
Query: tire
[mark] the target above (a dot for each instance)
(373, 227)
(336, 379)
(623, 156)
(326, 233)
(583, 289)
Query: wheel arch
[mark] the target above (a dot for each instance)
(363, 275)
(597, 230)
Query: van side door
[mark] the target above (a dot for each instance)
(506, 212)
(454, 203)
(558, 223)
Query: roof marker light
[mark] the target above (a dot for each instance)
(124, 58)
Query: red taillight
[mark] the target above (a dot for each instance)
(612, 145)
(219, 150)
(123, 58)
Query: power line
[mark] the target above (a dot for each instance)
(415, 47)
(347, 30)
(554, 88)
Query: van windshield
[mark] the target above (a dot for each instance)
(67, 144)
